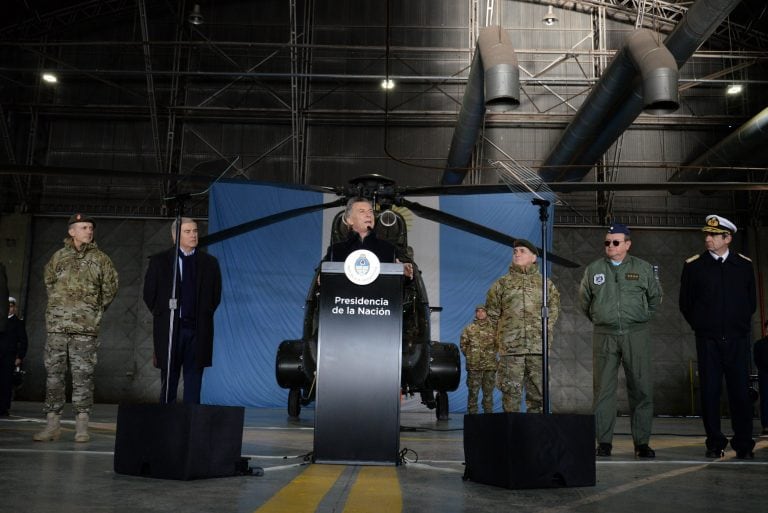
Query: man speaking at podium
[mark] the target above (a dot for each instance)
(360, 219)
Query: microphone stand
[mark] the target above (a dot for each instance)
(173, 301)
(543, 216)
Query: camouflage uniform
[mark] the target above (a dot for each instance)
(478, 343)
(81, 285)
(514, 307)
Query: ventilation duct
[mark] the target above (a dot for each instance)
(740, 148)
(494, 83)
(601, 120)
(654, 90)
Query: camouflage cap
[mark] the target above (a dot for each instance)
(480, 307)
(526, 244)
(80, 218)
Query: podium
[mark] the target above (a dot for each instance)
(357, 410)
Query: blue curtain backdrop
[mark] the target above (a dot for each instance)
(267, 273)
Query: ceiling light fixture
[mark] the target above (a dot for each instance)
(550, 18)
(388, 84)
(50, 78)
(734, 89)
(196, 17)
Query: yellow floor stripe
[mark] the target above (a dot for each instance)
(376, 490)
(304, 493)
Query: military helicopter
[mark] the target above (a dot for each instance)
(430, 368)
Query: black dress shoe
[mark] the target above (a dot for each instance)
(603, 449)
(745, 455)
(643, 451)
(714, 453)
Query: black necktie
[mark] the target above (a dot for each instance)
(719, 260)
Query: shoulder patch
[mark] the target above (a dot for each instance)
(692, 259)
(745, 257)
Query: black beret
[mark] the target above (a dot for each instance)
(526, 244)
(81, 218)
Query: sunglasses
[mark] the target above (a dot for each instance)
(615, 242)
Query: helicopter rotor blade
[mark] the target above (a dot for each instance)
(473, 228)
(240, 229)
(566, 187)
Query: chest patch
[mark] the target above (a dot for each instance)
(632, 276)
(598, 279)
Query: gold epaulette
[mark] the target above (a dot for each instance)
(745, 257)
(693, 258)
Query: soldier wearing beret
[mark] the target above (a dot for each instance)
(514, 306)
(619, 293)
(718, 298)
(478, 344)
(81, 282)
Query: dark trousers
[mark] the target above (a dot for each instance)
(183, 356)
(727, 358)
(7, 361)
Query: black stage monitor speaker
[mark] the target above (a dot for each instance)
(178, 441)
(530, 450)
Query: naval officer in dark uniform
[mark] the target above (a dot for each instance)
(718, 298)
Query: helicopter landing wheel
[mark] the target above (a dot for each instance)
(441, 409)
(294, 402)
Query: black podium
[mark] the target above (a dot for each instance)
(357, 412)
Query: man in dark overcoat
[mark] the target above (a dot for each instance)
(198, 293)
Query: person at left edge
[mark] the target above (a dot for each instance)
(13, 349)
(198, 293)
(3, 324)
(81, 282)
(361, 220)
(3, 296)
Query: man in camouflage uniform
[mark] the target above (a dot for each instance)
(478, 343)
(81, 282)
(514, 307)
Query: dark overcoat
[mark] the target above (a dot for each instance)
(157, 292)
(3, 297)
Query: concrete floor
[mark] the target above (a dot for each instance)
(63, 477)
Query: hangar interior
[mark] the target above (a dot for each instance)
(149, 105)
(113, 107)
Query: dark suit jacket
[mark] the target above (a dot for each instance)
(157, 292)
(381, 248)
(3, 298)
(13, 341)
(718, 299)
